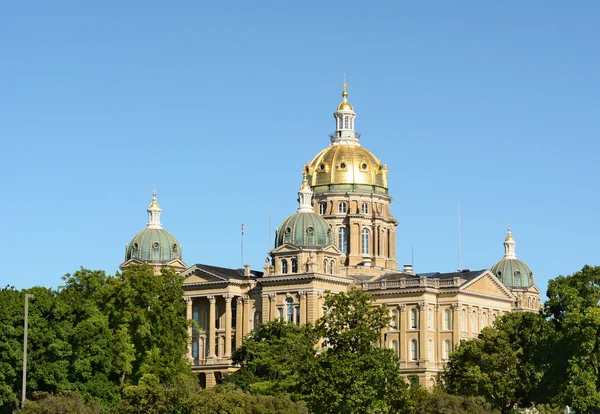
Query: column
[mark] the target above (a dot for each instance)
(437, 346)
(212, 330)
(188, 301)
(302, 307)
(239, 332)
(273, 313)
(455, 324)
(228, 299)
(311, 307)
(402, 326)
(423, 306)
(245, 317)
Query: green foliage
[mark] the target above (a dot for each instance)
(64, 403)
(226, 399)
(574, 310)
(507, 364)
(437, 401)
(353, 374)
(94, 335)
(272, 358)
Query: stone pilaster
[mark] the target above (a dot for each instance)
(228, 299)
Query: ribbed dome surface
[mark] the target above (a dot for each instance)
(304, 229)
(513, 273)
(347, 167)
(153, 245)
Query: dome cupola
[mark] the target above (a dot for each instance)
(153, 244)
(304, 228)
(345, 165)
(511, 271)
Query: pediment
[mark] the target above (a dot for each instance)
(285, 248)
(487, 284)
(196, 275)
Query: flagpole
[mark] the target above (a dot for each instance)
(242, 246)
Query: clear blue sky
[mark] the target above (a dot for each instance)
(219, 104)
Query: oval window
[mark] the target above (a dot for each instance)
(343, 165)
(364, 166)
(309, 230)
(155, 245)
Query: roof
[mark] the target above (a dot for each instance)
(225, 272)
(464, 274)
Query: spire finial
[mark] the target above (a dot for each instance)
(154, 213)
(345, 86)
(305, 195)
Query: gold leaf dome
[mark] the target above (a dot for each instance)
(347, 167)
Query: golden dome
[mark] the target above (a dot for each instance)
(349, 167)
(345, 106)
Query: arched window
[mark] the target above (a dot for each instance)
(365, 208)
(331, 267)
(474, 322)
(414, 318)
(414, 350)
(294, 265)
(289, 316)
(463, 320)
(343, 239)
(284, 268)
(322, 208)
(493, 317)
(446, 350)
(342, 208)
(280, 313)
(394, 347)
(195, 349)
(393, 319)
(429, 319)
(365, 241)
(483, 320)
(430, 350)
(447, 319)
(346, 122)
(324, 265)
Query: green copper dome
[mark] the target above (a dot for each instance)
(304, 229)
(153, 246)
(513, 273)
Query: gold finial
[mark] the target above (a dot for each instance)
(345, 86)
(304, 185)
(154, 203)
(509, 236)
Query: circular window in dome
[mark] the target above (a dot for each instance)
(155, 245)
(288, 230)
(517, 273)
(343, 165)
(364, 166)
(309, 230)
(322, 167)
(175, 247)
(499, 273)
(135, 246)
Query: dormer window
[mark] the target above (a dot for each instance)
(294, 265)
(284, 266)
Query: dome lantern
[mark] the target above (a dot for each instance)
(154, 213)
(344, 121)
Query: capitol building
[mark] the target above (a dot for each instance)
(342, 235)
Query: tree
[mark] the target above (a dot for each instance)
(506, 364)
(147, 312)
(272, 357)
(227, 399)
(574, 310)
(353, 374)
(64, 403)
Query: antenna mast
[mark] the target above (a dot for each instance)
(459, 265)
